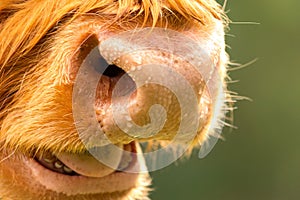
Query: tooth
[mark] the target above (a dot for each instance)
(67, 169)
(126, 160)
(123, 165)
(58, 164)
(49, 160)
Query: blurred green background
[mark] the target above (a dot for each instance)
(261, 159)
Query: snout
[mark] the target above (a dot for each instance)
(148, 84)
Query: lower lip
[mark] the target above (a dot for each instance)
(74, 185)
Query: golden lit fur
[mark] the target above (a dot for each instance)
(37, 48)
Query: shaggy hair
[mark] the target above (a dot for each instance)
(32, 74)
(38, 47)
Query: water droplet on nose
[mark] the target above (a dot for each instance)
(125, 130)
(129, 125)
(138, 59)
(104, 53)
(128, 118)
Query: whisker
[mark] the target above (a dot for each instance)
(227, 124)
(224, 5)
(245, 23)
(242, 66)
(232, 81)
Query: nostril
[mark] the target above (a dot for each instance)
(114, 78)
(101, 66)
(113, 71)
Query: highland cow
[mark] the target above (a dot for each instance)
(43, 45)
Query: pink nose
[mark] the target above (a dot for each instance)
(149, 85)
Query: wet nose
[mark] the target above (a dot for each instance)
(152, 86)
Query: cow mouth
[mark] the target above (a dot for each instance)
(87, 165)
(64, 173)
